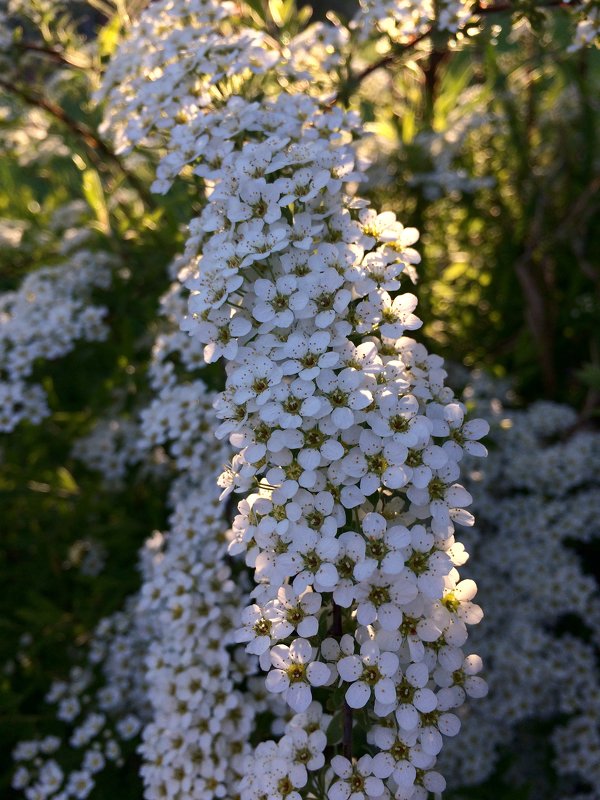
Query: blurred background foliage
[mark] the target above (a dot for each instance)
(489, 148)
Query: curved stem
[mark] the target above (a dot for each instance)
(337, 631)
(84, 133)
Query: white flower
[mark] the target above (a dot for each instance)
(295, 672)
(372, 671)
(291, 612)
(413, 696)
(256, 631)
(356, 780)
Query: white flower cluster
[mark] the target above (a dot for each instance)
(102, 721)
(444, 147)
(201, 722)
(201, 714)
(405, 20)
(171, 671)
(538, 504)
(345, 426)
(111, 447)
(342, 423)
(587, 32)
(44, 318)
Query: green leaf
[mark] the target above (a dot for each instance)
(258, 7)
(94, 194)
(282, 11)
(108, 37)
(66, 481)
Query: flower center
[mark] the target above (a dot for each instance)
(451, 603)
(377, 464)
(399, 424)
(260, 385)
(262, 627)
(376, 548)
(379, 595)
(296, 673)
(338, 398)
(437, 489)
(371, 675)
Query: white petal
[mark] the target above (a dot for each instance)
(350, 668)
(431, 740)
(298, 697)
(417, 674)
(373, 787)
(358, 695)
(407, 716)
(434, 782)
(340, 790)
(308, 627)
(476, 686)
(341, 766)
(301, 651)
(388, 664)
(425, 700)
(318, 673)
(389, 616)
(405, 774)
(449, 724)
(277, 681)
(385, 691)
(383, 765)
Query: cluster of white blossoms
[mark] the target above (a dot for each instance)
(198, 734)
(111, 447)
(346, 444)
(102, 721)
(406, 21)
(347, 440)
(166, 674)
(537, 501)
(353, 443)
(44, 319)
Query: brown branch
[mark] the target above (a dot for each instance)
(55, 55)
(337, 631)
(500, 7)
(390, 58)
(92, 142)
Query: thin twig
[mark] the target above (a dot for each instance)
(55, 55)
(337, 631)
(92, 142)
(389, 59)
(499, 7)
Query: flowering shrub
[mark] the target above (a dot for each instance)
(537, 516)
(340, 669)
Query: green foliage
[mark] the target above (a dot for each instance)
(52, 505)
(509, 280)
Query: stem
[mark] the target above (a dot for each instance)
(56, 55)
(83, 132)
(499, 7)
(337, 631)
